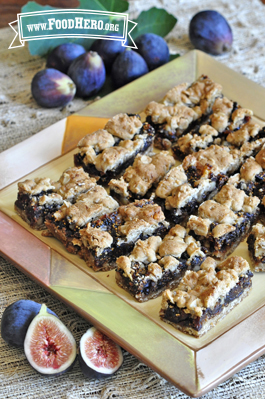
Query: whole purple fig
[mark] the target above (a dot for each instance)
(210, 32)
(61, 56)
(88, 72)
(108, 50)
(51, 88)
(127, 67)
(153, 49)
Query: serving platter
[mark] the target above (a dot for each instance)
(193, 365)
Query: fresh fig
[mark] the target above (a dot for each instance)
(88, 72)
(209, 31)
(153, 49)
(99, 356)
(108, 50)
(16, 320)
(61, 56)
(127, 67)
(51, 88)
(49, 346)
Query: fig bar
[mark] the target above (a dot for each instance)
(157, 264)
(203, 173)
(40, 197)
(251, 178)
(204, 297)
(182, 108)
(223, 222)
(115, 234)
(256, 247)
(66, 222)
(139, 178)
(107, 152)
(227, 125)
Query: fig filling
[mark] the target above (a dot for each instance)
(34, 213)
(142, 288)
(178, 315)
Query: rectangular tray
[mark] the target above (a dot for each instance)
(193, 365)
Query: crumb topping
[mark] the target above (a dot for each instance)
(238, 117)
(146, 171)
(245, 133)
(260, 158)
(222, 109)
(250, 169)
(220, 159)
(50, 199)
(258, 230)
(111, 157)
(97, 141)
(120, 187)
(96, 238)
(74, 181)
(89, 206)
(175, 95)
(36, 186)
(174, 178)
(151, 213)
(124, 126)
(200, 290)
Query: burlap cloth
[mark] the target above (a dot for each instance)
(20, 118)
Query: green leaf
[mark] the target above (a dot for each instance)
(173, 56)
(104, 5)
(155, 20)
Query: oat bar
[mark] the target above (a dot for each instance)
(115, 234)
(156, 264)
(109, 151)
(205, 297)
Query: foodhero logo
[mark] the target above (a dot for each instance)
(77, 23)
(73, 23)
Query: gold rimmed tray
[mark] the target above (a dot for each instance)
(193, 365)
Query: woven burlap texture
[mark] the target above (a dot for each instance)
(20, 117)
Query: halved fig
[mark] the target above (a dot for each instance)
(99, 356)
(16, 320)
(49, 346)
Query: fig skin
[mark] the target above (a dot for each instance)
(88, 73)
(106, 355)
(51, 88)
(108, 50)
(127, 67)
(210, 32)
(16, 320)
(153, 49)
(63, 55)
(49, 346)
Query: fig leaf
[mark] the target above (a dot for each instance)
(155, 20)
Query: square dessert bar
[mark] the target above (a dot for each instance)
(138, 180)
(201, 174)
(227, 125)
(65, 223)
(156, 264)
(115, 234)
(40, 197)
(182, 108)
(256, 247)
(251, 178)
(107, 152)
(205, 297)
(223, 222)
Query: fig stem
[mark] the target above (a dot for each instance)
(43, 310)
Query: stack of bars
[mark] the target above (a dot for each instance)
(128, 204)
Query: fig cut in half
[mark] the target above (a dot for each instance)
(99, 356)
(49, 346)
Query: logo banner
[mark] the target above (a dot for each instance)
(73, 23)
